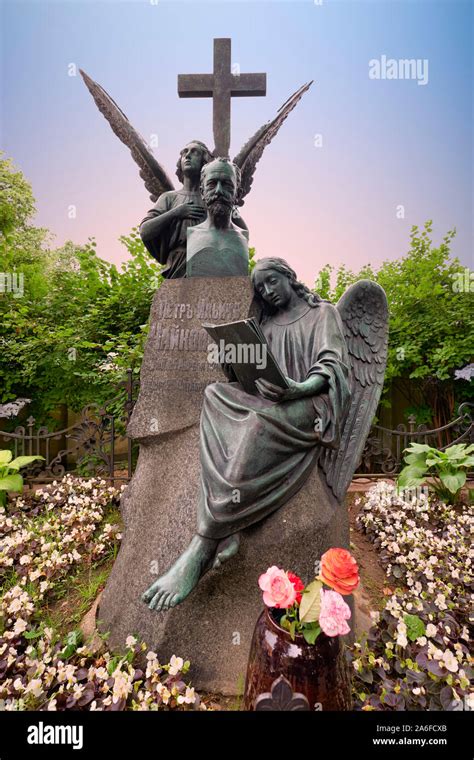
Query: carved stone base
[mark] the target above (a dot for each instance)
(213, 627)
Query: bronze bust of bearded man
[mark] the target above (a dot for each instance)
(164, 228)
(217, 247)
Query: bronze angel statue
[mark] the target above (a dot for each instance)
(164, 228)
(264, 446)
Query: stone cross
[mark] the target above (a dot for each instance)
(221, 86)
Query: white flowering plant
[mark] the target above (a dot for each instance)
(44, 540)
(416, 655)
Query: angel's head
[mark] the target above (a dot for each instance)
(274, 282)
(220, 181)
(192, 158)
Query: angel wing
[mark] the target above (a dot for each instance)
(250, 154)
(155, 177)
(364, 313)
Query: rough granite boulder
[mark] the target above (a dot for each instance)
(213, 627)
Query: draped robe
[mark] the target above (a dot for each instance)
(255, 453)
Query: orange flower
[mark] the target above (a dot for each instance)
(339, 570)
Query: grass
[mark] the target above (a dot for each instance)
(237, 704)
(75, 597)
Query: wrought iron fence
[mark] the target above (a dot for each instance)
(383, 452)
(91, 443)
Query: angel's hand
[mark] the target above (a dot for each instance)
(273, 392)
(190, 211)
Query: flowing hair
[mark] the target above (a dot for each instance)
(301, 290)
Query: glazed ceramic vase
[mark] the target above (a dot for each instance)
(318, 671)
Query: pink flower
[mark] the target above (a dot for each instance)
(278, 590)
(333, 614)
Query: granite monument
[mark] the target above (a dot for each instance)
(229, 482)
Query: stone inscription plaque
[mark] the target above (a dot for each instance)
(175, 369)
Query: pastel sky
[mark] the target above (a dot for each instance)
(383, 143)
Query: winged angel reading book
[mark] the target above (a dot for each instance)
(257, 450)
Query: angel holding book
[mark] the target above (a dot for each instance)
(258, 449)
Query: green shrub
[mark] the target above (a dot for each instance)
(448, 469)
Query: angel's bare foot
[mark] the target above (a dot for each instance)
(226, 549)
(175, 585)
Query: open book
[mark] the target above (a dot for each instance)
(243, 345)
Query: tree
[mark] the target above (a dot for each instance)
(431, 329)
(78, 322)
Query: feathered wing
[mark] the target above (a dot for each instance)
(155, 177)
(250, 154)
(364, 313)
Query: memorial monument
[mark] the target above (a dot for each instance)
(229, 482)
(164, 228)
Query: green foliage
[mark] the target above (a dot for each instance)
(447, 468)
(431, 329)
(72, 642)
(423, 414)
(310, 606)
(252, 261)
(303, 618)
(415, 627)
(10, 479)
(80, 321)
(21, 244)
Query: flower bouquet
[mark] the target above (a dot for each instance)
(313, 609)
